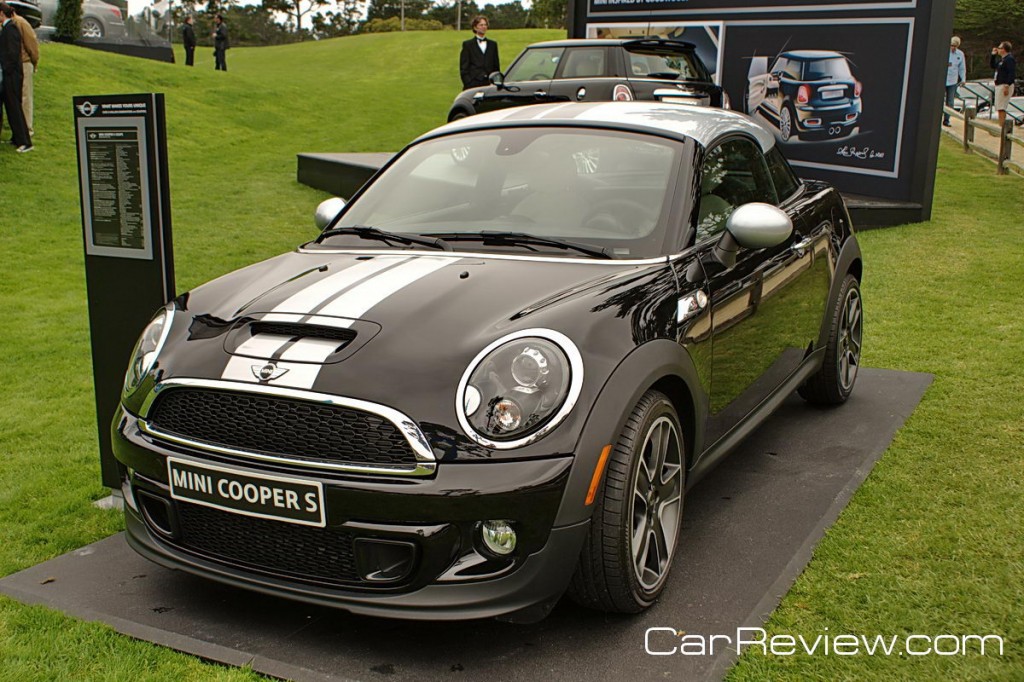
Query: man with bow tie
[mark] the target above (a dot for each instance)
(479, 56)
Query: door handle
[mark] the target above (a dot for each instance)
(540, 93)
(800, 248)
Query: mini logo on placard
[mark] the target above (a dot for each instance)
(88, 108)
(268, 372)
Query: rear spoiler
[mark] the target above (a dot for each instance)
(658, 44)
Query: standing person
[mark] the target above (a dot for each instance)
(188, 38)
(220, 43)
(479, 57)
(956, 73)
(1006, 73)
(10, 64)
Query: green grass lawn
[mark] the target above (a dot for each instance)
(930, 544)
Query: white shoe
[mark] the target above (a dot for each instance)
(24, 148)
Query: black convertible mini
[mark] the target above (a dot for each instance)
(496, 372)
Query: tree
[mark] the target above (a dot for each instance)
(506, 15)
(550, 13)
(295, 9)
(341, 23)
(67, 21)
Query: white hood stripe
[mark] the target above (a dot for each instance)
(355, 302)
(356, 290)
(315, 294)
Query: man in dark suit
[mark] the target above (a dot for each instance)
(10, 64)
(220, 44)
(479, 56)
(188, 38)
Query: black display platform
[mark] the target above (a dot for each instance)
(750, 528)
(342, 174)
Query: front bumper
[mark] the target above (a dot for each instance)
(426, 530)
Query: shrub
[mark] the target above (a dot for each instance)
(68, 21)
(395, 24)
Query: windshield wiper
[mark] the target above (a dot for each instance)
(525, 239)
(364, 232)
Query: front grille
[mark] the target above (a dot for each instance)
(318, 555)
(282, 427)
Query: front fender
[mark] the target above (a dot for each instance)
(663, 363)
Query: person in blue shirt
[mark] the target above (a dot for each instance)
(1006, 73)
(956, 73)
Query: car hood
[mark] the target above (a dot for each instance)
(398, 328)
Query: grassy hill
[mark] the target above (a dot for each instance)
(931, 543)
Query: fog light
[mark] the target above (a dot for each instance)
(813, 122)
(499, 537)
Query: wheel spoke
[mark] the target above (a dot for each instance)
(644, 551)
(852, 313)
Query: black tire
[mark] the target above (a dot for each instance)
(456, 115)
(611, 574)
(834, 380)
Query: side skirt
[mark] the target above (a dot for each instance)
(724, 445)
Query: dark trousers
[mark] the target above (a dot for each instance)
(218, 57)
(12, 104)
(950, 97)
(190, 56)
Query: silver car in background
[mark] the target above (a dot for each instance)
(100, 20)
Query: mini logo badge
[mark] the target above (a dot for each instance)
(268, 372)
(88, 108)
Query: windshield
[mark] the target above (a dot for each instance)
(824, 69)
(663, 65)
(603, 188)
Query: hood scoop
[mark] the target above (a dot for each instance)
(321, 340)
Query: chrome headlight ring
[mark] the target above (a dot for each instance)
(469, 398)
(147, 349)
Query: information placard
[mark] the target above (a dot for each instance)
(126, 233)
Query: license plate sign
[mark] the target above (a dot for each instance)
(831, 94)
(246, 492)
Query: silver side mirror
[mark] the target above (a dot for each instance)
(759, 226)
(327, 210)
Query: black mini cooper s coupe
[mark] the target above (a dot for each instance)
(493, 376)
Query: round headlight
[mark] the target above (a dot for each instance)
(519, 388)
(146, 350)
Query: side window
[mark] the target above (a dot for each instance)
(780, 65)
(786, 182)
(584, 62)
(536, 64)
(793, 70)
(734, 173)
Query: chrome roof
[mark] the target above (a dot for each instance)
(703, 124)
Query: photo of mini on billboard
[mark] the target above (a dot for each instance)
(805, 94)
(831, 100)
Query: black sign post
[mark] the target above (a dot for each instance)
(126, 227)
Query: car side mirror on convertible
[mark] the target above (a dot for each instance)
(752, 226)
(326, 211)
(497, 78)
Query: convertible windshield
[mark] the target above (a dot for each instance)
(607, 189)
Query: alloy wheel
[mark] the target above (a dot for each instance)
(851, 333)
(656, 503)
